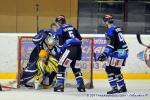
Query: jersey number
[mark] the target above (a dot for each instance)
(120, 37)
(71, 34)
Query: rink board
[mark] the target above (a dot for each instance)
(135, 68)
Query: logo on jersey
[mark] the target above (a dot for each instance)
(145, 56)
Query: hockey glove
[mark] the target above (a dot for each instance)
(102, 57)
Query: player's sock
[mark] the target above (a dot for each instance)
(80, 82)
(121, 83)
(113, 84)
(60, 82)
(112, 80)
(29, 72)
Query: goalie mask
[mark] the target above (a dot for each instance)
(50, 41)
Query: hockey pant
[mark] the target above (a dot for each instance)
(68, 59)
(113, 68)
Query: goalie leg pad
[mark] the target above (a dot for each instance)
(29, 72)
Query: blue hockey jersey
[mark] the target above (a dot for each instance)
(115, 40)
(68, 36)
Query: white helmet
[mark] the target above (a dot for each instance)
(50, 41)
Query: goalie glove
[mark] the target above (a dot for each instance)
(102, 57)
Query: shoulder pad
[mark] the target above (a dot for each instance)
(65, 25)
(109, 32)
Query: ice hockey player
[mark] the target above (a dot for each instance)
(39, 40)
(70, 42)
(117, 52)
(47, 66)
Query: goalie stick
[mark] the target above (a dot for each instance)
(140, 41)
(95, 59)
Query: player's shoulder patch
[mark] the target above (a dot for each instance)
(118, 29)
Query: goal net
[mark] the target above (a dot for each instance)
(26, 46)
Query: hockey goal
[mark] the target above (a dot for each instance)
(26, 46)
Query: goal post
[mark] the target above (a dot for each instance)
(25, 47)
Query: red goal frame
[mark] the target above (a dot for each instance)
(19, 59)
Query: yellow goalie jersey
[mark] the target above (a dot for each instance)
(47, 67)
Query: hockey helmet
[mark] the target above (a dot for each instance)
(108, 18)
(60, 19)
(51, 41)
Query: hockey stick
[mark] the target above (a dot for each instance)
(95, 59)
(140, 41)
(7, 87)
(3, 87)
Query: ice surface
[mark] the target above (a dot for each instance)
(137, 90)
